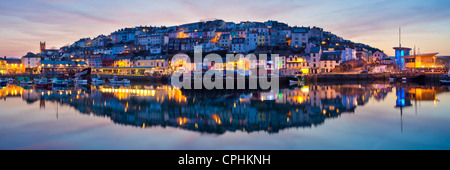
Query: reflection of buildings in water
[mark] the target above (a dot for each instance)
(11, 91)
(147, 106)
(164, 106)
(30, 96)
(407, 93)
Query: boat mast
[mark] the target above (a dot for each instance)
(400, 45)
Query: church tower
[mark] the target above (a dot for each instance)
(42, 47)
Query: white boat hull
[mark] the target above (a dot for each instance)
(120, 82)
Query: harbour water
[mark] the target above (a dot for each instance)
(144, 116)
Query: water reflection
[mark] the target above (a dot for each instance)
(217, 112)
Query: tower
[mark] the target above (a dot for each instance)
(41, 47)
(400, 52)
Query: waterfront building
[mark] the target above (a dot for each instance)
(14, 66)
(399, 53)
(123, 61)
(425, 62)
(52, 67)
(151, 64)
(31, 62)
(3, 65)
(296, 63)
(314, 60)
(329, 61)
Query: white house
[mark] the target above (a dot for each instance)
(329, 61)
(31, 62)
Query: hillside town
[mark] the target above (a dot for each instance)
(148, 50)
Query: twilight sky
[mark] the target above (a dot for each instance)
(425, 23)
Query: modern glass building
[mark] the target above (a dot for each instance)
(399, 53)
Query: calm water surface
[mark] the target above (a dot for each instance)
(375, 116)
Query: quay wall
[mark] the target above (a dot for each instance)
(370, 77)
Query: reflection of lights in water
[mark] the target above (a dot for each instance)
(305, 89)
(324, 112)
(143, 125)
(216, 119)
(182, 120)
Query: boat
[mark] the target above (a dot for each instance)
(98, 80)
(3, 82)
(117, 80)
(10, 80)
(392, 80)
(80, 81)
(59, 82)
(296, 78)
(70, 82)
(24, 80)
(445, 79)
(83, 73)
(43, 83)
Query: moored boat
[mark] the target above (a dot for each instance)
(445, 79)
(43, 83)
(59, 82)
(80, 81)
(24, 80)
(296, 78)
(117, 80)
(98, 80)
(3, 81)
